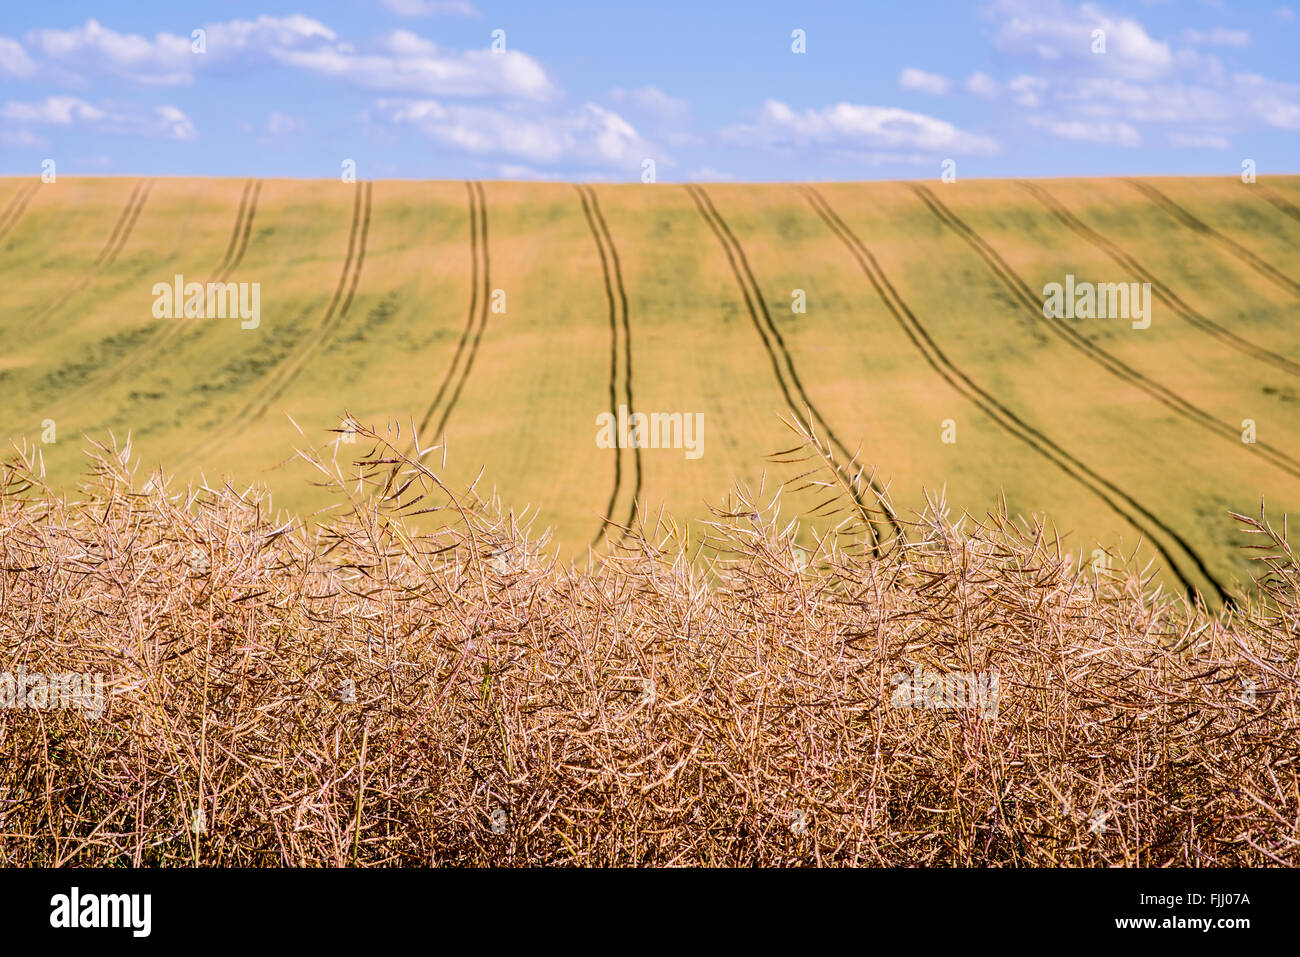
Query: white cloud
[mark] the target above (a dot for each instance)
(400, 62)
(176, 124)
(167, 60)
(23, 139)
(1285, 14)
(982, 85)
(409, 63)
(1111, 134)
(1167, 103)
(1060, 34)
(1027, 90)
(1207, 142)
(1192, 108)
(166, 121)
(431, 8)
(14, 59)
(266, 33)
(1112, 98)
(921, 82)
(1270, 102)
(587, 137)
(53, 110)
(849, 126)
(652, 101)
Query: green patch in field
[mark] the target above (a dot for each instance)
(1285, 393)
(91, 361)
(261, 356)
(378, 317)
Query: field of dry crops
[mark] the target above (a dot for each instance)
(364, 694)
(507, 316)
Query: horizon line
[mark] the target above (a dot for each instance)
(675, 182)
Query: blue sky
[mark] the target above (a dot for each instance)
(590, 90)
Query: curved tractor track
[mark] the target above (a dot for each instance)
(126, 221)
(1021, 292)
(1181, 215)
(282, 376)
(16, 206)
(1163, 292)
(1167, 542)
(168, 330)
(774, 344)
(617, 320)
(479, 293)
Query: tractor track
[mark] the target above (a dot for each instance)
(126, 221)
(1166, 295)
(237, 229)
(752, 293)
(1209, 232)
(282, 376)
(247, 210)
(617, 317)
(1021, 292)
(124, 217)
(613, 366)
(170, 329)
(476, 315)
(1278, 200)
(130, 224)
(470, 315)
(16, 207)
(1119, 501)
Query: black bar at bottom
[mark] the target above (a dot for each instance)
(336, 908)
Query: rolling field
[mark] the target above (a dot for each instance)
(508, 316)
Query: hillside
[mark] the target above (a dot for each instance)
(509, 316)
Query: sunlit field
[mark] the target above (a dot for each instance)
(902, 322)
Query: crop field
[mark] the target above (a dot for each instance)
(903, 322)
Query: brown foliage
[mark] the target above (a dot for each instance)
(652, 707)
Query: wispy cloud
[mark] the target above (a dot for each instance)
(166, 60)
(1112, 134)
(1193, 141)
(405, 62)
(431, 8)
(653, 102)
(588, 137)
(165, 121)
(1060, 35)
(402, 61)
(982, 85)
(1183, 93)
(14, 60)
(850, 126)
(1171, 83)
(55, 110)
(919, 81)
